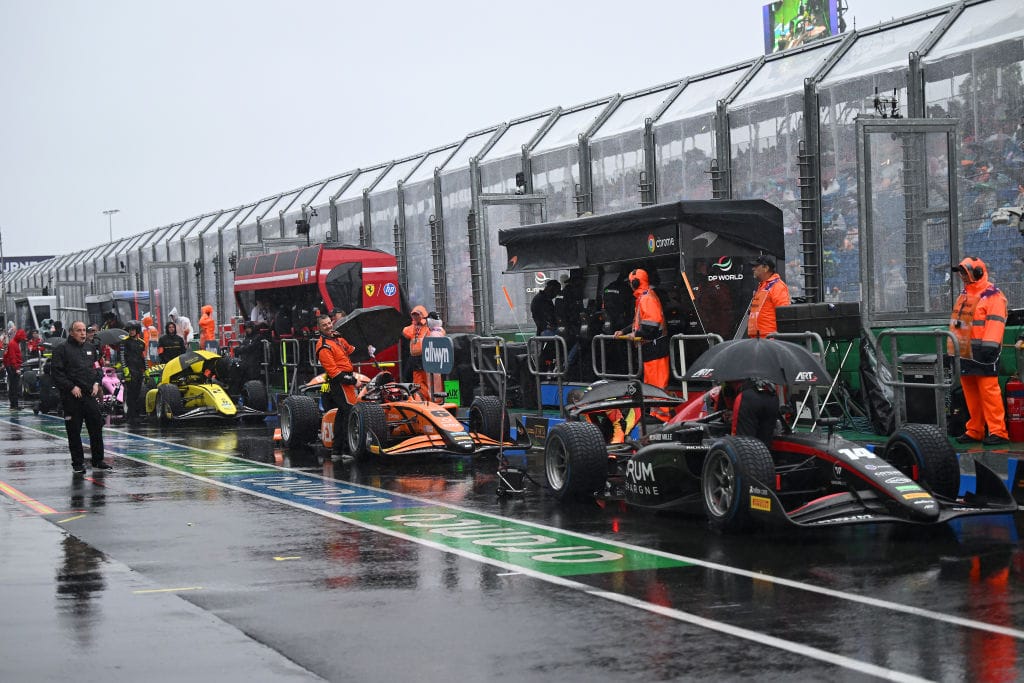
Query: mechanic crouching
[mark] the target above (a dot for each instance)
(752, 408)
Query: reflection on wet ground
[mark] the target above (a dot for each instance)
(355, 599)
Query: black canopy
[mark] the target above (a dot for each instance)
(692, 228)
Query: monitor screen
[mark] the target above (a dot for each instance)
(791, 23)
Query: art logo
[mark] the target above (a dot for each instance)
(370, 290)
(724, 263)
(651, 242)
(390, 289)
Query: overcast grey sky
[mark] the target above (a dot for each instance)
(167, 110)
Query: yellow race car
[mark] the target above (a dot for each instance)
(188, 388)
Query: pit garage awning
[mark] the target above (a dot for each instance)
(683, 228)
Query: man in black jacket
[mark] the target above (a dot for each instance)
(135, 361)
(74, 367)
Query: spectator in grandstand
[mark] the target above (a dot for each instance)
(207, 329)
(771, 293)
(170, 345)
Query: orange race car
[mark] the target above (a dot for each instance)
(391, 419)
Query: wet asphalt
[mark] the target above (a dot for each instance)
(187, 561)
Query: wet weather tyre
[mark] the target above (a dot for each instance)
(732, 464)
(254, 395)
(300, 421)
(923, 453)
(575, 461)
(367, 425)
(169, 403)
(488, 417)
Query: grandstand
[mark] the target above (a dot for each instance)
(886, 147)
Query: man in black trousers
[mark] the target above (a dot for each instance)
(74, 367)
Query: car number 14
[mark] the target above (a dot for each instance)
(857, 453)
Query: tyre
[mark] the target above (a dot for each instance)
(300, 421)
(923, 453)
(29, 383)
(169, 403)
(366, 426)
(575, 460)
(487, 416)
(254, 395)
(732, 464)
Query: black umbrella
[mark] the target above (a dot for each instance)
(112, 336)
(380, 326)
(777, 361)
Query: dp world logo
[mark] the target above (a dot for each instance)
(390, 289)
(723, 263)
(651, 243)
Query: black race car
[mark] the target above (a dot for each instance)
(802, 479)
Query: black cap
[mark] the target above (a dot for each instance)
(764, 260)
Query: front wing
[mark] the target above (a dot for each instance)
(435, 443)
(866, 507)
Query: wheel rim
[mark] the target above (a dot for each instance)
(719, 484)
(354, 445)
(556, 464)
(286, 424)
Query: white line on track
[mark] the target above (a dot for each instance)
(675, 614)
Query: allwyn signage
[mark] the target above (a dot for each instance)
(438, 355)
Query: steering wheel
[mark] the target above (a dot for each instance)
(396, 392)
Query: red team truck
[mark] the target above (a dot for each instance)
(288, 289)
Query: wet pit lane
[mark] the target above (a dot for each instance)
(416, 569)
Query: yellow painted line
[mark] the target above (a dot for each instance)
(25, 500)
(169, 590)
(279, 558)
(69, 519)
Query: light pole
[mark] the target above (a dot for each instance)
(109, 213)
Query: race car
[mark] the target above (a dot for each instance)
(187, 387)
(390, 418)
(801, 479)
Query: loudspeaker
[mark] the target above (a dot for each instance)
(838, 321)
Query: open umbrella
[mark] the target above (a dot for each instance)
(777, 361)
(380, 326)
(112, 336)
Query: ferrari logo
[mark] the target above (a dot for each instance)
(370, 289)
